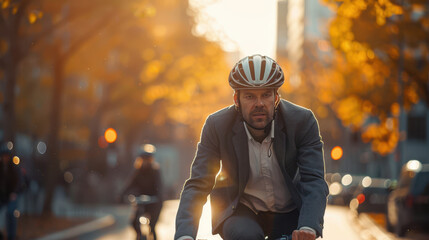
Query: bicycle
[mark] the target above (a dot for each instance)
(141, 220)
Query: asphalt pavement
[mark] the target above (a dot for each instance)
(114, 224)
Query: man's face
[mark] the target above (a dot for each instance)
(257, 106)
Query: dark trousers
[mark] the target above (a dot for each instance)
(244, 224)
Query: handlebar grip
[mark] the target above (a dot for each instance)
(285, 237)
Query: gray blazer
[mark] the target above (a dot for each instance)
(223, 145)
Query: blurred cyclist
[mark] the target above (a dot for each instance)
(146, 180)
(261, 161)
(9, 183)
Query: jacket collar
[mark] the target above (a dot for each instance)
(280, 141)
(241, 149)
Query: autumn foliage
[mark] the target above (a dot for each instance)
(380, 67)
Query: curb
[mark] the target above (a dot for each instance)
(85, 228)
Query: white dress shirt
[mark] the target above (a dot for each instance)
(266, 189)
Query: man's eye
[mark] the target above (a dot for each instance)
(248, 97)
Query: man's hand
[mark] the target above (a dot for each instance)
(303, 235)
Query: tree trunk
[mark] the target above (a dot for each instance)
(11, 66)
(12, 58)
(9, 100)
(53, 150)
(93, 153)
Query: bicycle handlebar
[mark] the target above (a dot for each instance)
(142, 199)
(284, 237)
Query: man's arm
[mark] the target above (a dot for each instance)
(203, 173)
(312, 184)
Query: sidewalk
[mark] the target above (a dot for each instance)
(81, 229)
(369, 228)
(165, 227)
(67, 221)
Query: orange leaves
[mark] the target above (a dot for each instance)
(385, 9)
(352, 9)
(342, 32)
(384, 136)
(5, 4)
(145, 11)
(349, 110)
(151, 71)
(34, 15)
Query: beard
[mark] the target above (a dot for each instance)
(263, 118)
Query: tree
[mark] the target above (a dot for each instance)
(385, 47)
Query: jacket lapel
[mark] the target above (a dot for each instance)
(280, 144)
(241, 149)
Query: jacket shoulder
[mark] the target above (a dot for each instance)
(223, 116)
(294, 110)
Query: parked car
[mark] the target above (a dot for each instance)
(371, 195)
(408, 204)
(341, 190)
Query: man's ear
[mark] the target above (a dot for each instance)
(277, 99)
(236, 100)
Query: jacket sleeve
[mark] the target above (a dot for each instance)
(312, 185)
(204, 168)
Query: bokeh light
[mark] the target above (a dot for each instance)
(354, 203)
(335, 188)
(110, 135)
(414, 165)
(347, 179)
(149, 148)
(336, 153)
(144, 220)
(366, 181)
(68, 177)
(9, 145)
(41, 147)
(16, 160)
(131, 198)
(336, 177)
(361, 198)
(16, 213)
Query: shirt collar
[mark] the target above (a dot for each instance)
(250, 137)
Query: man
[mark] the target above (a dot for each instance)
(146, 180)
(260, 160)
(9, 183)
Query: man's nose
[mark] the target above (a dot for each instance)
(259, 102)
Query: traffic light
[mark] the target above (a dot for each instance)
(110, 135)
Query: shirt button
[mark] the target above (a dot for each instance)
(233, 207)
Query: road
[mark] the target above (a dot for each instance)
(340, 224)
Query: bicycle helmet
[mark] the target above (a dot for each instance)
(256, 71)
(147, 150)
